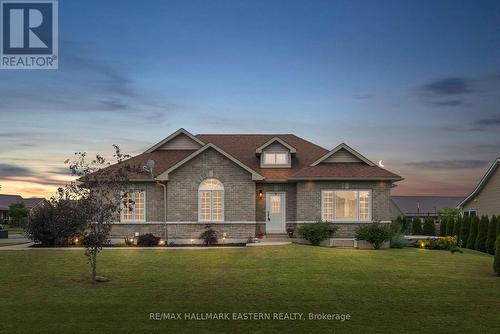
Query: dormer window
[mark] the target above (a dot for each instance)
(278, 158)
(275, 159)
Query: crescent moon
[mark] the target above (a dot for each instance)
(381, 163)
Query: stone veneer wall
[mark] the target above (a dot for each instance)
(309, 198)
(183, 183)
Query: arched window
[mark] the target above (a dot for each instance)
(211, 201)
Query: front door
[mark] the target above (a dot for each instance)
(275, 212)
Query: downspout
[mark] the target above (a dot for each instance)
(164, 208)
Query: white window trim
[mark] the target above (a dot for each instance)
(122, 219)
(211, 205)
(288, 163)
(370, 205)
(469, 211)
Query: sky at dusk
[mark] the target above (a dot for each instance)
(415, 83)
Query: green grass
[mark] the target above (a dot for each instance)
(397, 290)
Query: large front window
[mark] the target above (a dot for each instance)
(211, 201)
(134, 206)
(345, 205)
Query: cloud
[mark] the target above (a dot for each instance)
(492, 121)
(9, 170)
(448, 103)
(449, 164)
(449, 86)
(363, 96)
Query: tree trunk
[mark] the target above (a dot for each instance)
(94, 264)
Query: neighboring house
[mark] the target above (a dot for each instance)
(249, 184)
(424, 206)
(485, 198)
(7, 200)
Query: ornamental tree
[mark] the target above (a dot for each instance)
(416, 226)
(471, 240)
(482, 234)
(102, 190)
(492, 235)
(464, 231)
(18, 212)
(429, 228)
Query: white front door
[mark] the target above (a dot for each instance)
(275, 212)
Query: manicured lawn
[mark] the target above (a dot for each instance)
(397, 290)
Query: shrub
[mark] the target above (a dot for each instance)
(456, 227)
(442, 227)
(492, 235)
(429, 228)
(209, 236)
(55, 223)
(482, 234)
(147, 240)
(444, 243)
(450, 227)
(464, 230)
(398, 241)
(400, 225)
(416, 226)
(496, 262)
(317, 232)
(376, 234)
(471, 240)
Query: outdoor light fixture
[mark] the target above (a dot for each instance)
(76, 240)
(261, 194)
(192, 241)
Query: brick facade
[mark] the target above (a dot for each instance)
(309, 198)
(183, 183)
(241, 201)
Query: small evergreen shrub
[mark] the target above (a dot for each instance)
(429, 228)
(492, 234)
(416, 226)
(375, 234)
(317, 232)
(450, 227)
(456, 227)
(482, 234)
(398, 241)
(444, 243)
(464, 230)
(496, 262)
(209, 236)
(471, 240)
(442, 227)
(147, 240)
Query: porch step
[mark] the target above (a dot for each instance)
(277, 237)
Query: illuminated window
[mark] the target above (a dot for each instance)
(275, 204)
(275, 158)
(211, 201)
(327, 206)
(345, 205)
(134, 206)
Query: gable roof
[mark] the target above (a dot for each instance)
(242, 148)
(6, 200)
(346, 147)
(486, 177)
(259, 149)
(427, 205)
(172, 136)
(255, 175)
